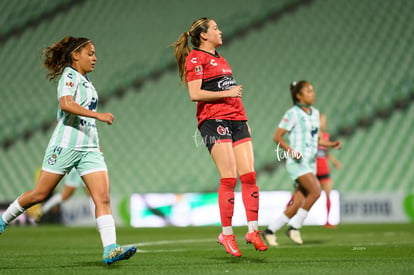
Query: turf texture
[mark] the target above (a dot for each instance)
(347, 249)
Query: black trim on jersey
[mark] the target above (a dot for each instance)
(219, 83)
(216, 54)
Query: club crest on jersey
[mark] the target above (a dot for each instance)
(221, 130)
(52, 159)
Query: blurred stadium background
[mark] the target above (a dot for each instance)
(357, 53)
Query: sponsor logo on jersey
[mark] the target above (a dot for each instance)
(93, 104)
(213, 62)
(226, 83)
(193, 60)
(69, 84)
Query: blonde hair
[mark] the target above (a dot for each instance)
(181, 47)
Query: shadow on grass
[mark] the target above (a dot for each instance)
(238, 260)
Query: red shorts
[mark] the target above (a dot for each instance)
(322, 169)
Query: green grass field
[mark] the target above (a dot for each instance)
(348, 249)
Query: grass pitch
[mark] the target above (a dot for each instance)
(347, 249)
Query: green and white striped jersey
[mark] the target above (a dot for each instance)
(72, 131)
(302, 130)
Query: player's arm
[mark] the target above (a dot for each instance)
(334, 161)
(328, 143)
(68, 105)
(198, 94)
(280, 140)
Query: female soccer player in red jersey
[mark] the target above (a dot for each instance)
(322, 166)
(222, 122)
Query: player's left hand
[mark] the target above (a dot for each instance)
(336, 145)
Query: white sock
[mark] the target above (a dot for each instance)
(278, 223)
(106, 228)
(55, 200)
(253, 226)
(299, 218)
(13, 211)
(92, 206)
(227, 230)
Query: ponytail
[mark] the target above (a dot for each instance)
(181, 47)
(181, 50)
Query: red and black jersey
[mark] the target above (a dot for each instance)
(322, 150)
(217, 76)
(322, 165)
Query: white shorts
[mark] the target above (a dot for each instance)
(300, 168)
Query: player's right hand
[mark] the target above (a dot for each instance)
(106, 117)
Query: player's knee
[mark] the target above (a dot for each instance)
(102, 200)
(36, 197)
(314, 193)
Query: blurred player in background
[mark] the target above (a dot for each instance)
(323, 157)
(74, 142)
(301, 122)
(222, 122)
(72, 181)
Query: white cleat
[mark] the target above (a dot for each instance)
(294, 235)
(270, 237)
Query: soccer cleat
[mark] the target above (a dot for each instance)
(229, 243)
(328, 225)
(294, 235)
(114, 253)
(255, 239)
(270, 237)
(3, 224)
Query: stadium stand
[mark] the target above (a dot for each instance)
(360, 73)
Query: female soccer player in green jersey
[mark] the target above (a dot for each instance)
(301, 123)
(74, 142)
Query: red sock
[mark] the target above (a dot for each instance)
(291, 200)
(250, 195)
(226, 200)
(328, 208)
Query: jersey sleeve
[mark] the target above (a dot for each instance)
(67, 84)
(288, 121)
(194, 68)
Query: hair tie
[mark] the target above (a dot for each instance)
(76, 44)
(188, 34)
(294, 83)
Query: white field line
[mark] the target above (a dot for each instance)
(168, 242)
